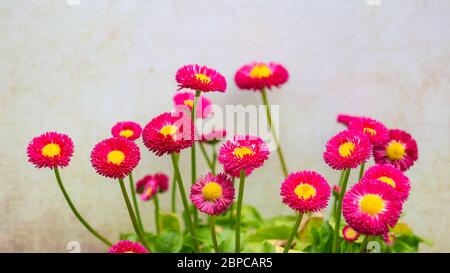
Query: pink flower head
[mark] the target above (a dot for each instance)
(305, 191)
(350, 235)
(347, 149)
(400, 150)
(243, 153)
(168, 133)
(371, 207)
(200, 78)
(50, 150)
(127, 129)
(374, 130)
(147, 187)
(214, 136)
(163, 181)
(126, 246)
(346, 119)
(211, 194)
(336, 190)
(392, 176)
(257, 75)
(185, 101)
(115, 157)
(389, 238)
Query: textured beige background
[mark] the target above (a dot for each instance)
(78, 69)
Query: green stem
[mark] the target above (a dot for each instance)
(294, 231)
(364, 243)
(336, 198)
(361, 171)
(184, 199)
(238, 211)
(174, 189)
(75, 211)
(212, 226)
(274, 134)
(135, 203)
(214, 158)
(208, 161)
(193, 156)
(338, 212)
(157, 223)
(132, 215)
(232, 205)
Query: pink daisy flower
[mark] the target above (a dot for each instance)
(115, 157)
(214, 136)
(126, 246)
(371, 207)
(211, 194)
(258, 75)
(350, 235)
(305, 191)
(400, 150)
(346, 119)
(163, 181)
(200, 78)
(346, 150)
(127, 129)
(185, 100)
(243, 153)
(374, 130)
(168, 133)
(391, 176)
(50, 150)
(147, 187)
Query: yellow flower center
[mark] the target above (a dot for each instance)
(387, 180)
(168, 130)
(116, 157)
(346, 149)
(51, 150)
(395, 150)
(148, 191)
(212, 191)
(126, 133)
(242, 151)
(371, 131)
(203, 78)
(305, 191)
(189, 103)
(350, 233)
(371, 204)
(260, 71)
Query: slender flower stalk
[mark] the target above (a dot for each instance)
(157, 223)
(174, 189)
(208, 161)
(136, 227)
(238, 211)
(364, 243)
(335, 199)
(135, 203)
(193, 156)
(212, 226)
(361, 171)
(274, 134)
(294, 231)
(184, 199)
(75, 211)
(339, 210)
(214, 160)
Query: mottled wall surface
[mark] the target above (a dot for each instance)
(79, 68)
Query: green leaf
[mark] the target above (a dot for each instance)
(250, 216)
(305, 233)
(270, 233)
(170, 222)
(168, 242)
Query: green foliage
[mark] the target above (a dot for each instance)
(261, 235)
